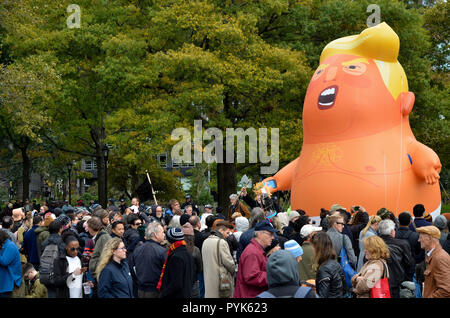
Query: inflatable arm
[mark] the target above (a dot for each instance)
(425, 162)
(282, 180)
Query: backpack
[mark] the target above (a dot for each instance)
(300, 293)
(51, 252)
(394, 263)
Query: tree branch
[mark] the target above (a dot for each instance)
(69, 150)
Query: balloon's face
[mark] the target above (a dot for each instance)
(347, 98)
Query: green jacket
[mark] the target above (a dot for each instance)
(305, 266)
(31, 289)
(42, 234)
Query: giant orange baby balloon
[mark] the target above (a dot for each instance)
(358, 147)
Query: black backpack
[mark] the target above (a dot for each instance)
(394, 263)
(46, 274)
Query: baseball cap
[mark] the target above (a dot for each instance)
(307, 229)
(265, 226)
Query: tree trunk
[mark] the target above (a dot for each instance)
(26, 170)
(226, 184)
(102, 195)
(134, 181)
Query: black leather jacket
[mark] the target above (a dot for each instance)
(329, 280)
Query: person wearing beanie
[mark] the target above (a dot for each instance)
(437, 279)
(294, 248)
(282, 277)
(184, 219)
(178, 273)
(441, 223)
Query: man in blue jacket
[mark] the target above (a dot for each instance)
(30, 243)
(10, 267)
(147, 261)
(419, 220)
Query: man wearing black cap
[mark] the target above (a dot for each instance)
(122, 206)
(252, 277)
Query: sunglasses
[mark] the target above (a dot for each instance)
(340, 223)
(73, 249)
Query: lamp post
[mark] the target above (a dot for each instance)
(105, 157)
(69, 169)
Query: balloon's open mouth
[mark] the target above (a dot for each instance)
(327, 97)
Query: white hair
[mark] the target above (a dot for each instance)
(385, 227)
(153, 228)
(233, 196)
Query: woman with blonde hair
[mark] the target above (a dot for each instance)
(376, 252)
(370, 230)
(114, 277)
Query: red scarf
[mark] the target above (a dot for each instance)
(172, 248)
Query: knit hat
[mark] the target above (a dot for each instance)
(174, 234)
(63, 219)
(294, 248)
(440, 222)
(184, 219)
(293, 214)
(428, 217)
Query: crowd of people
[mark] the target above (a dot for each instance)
(250, 250)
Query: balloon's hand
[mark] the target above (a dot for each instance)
(431, 174)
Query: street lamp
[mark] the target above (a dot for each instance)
(69, 169)
(105, 157)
